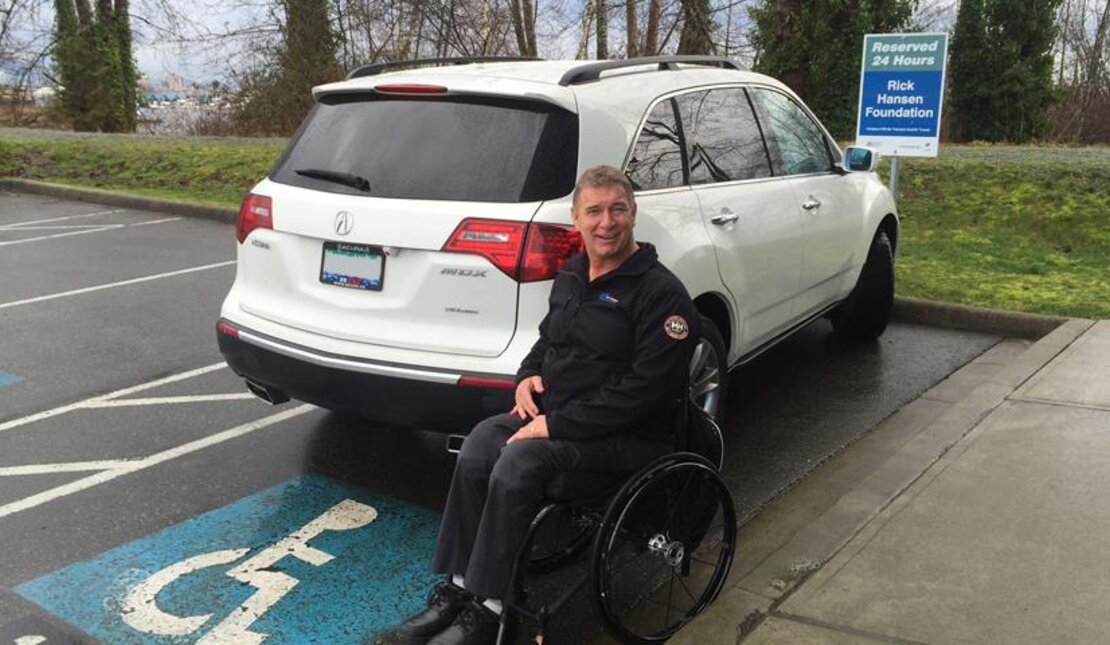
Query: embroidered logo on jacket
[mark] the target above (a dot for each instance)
(676, 327)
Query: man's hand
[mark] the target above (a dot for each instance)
(537, 429)
(525, 404)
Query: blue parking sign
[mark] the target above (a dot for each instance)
(902, 93)
(309, 561)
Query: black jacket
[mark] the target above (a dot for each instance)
(614, 354)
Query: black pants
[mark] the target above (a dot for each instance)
(497, 489)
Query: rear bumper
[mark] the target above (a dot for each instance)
(395, 394)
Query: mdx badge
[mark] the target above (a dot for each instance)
(465, 273)
(344, 222)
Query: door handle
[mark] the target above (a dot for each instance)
(726, 216)
(811, 203)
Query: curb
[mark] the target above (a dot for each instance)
(906, 310)
(186, 209)
(954, 316)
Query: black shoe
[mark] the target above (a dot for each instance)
(444, 604)
(475, 625)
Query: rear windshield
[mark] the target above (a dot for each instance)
(464, 149)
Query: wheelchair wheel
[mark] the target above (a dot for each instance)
(564, 531)
(663, 549)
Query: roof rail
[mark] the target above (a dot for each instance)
(378, 68)
(592, 71)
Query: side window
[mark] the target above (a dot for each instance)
(801, 144)
(657, 157)
(723, 141)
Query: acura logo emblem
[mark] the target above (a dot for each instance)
(343, 223)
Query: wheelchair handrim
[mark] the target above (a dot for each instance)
(603, 550)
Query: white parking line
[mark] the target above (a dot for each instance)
(53, 412)
(82, 231)
(164, 400)
(40, 238)
(61, 219)
(111, 285)
(153, 460)
(70, 467)
(59, 227)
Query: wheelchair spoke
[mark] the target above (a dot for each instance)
(677, 505)
(685, 588)
(670, 603)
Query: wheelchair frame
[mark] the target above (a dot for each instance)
(621, 522)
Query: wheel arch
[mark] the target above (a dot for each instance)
(889, 225)
(715, 308)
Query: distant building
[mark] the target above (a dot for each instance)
(174, 83)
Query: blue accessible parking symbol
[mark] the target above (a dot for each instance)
(308, 561)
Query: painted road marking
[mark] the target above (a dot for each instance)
(8, 379)
(33, 630)
(111, 469)
(62, 219)
(140, 607)
(69, 467)
(64, 409)
(169, 400)
(324, 562)
(153, 460)
(73, 229)
(112, 285)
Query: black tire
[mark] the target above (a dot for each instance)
(663, 549)
(709, 372)
(864, 314)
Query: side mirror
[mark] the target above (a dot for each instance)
(858, 159)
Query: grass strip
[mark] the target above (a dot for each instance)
(1006, 227)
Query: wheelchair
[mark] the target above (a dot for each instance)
(661, 542)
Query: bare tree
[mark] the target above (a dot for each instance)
(631, 29)
(602, 30)
(1083, 61)
(588, 12)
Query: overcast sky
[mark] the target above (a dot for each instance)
(157, 55)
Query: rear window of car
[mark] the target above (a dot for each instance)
(457, 148)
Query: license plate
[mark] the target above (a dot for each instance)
(355, 266)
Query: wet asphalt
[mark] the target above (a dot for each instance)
(108, 299)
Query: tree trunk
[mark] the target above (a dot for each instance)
(602, 30)
(529, 11)
(697, 28)
(587, 22)
(632, 29)
(518, 27)
(651, 36)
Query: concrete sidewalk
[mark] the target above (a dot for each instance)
(1002, 537)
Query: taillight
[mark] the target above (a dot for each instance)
(410, 88)
(255, 212)
(497, 241)
(524, 252)
(548, 247)
(225, 328)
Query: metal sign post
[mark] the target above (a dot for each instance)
(901, 95)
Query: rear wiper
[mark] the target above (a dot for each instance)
(345, 178)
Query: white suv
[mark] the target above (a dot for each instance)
(397, 261)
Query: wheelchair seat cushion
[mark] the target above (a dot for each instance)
(570, 485)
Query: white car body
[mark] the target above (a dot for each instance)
(777, 263)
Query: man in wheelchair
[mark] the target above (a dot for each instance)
(596, 393)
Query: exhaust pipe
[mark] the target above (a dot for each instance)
(454, 443)
(266, 393)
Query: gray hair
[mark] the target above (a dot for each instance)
(603, 177)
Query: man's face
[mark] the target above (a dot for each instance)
(605, 217)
